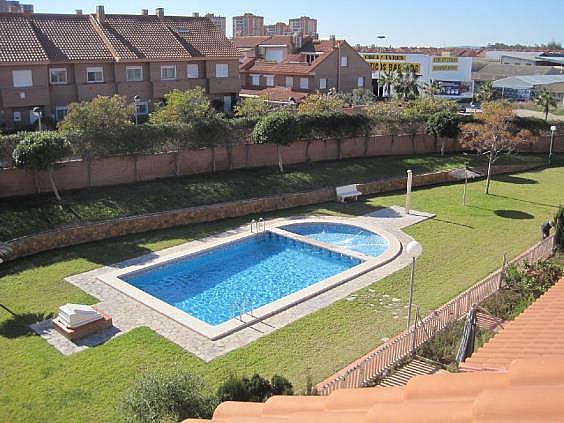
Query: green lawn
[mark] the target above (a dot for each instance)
(461, 245)
(22, 216)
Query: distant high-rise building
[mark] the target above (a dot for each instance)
(218, 21)
(248, 24)
(279, 28)
(15, 7)
(305, 25)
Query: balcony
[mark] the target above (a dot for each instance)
(160, 88)
(25, 97)
(224, 85)
(87, 92)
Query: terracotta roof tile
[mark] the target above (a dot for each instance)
(250, 41)
(275, 93)
(525, 389)
(69, 37)
(18, 42)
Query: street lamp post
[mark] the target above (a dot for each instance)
(413, 250)
(37, 112)
(408, 192)
(380, 37)
(552, 131)
(136, 100)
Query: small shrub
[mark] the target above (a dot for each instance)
(281, 386)
(559, 228)
(255, 389)
(166, 397)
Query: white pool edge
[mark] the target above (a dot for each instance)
(215, 332)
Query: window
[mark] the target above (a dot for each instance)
(221, 70)
(134, 73)
(323, 84)
(60, 113)
(94, 75)
(304, 83)
(22, 78)
(269, 80)
(289, 82)
(360, 82)
(17, 116)
(193, 71)
(255, 80)
(58, 76)
(168, 73)
(344, 61)
(142, 108)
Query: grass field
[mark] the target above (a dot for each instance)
(22, 216)
(461, 245)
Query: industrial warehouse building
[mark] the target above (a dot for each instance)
(524, 87)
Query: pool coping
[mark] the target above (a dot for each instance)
(215, 332)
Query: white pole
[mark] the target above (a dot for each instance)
(552, 131)
(408, 193)
(411, 283)
(465, 183)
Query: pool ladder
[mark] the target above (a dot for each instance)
(259, 225)
(239, 306)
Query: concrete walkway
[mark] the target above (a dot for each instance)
(128, 313)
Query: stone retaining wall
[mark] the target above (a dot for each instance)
(78, 234)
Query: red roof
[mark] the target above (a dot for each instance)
(18, 42)
(275, 93)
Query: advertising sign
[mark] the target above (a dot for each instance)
(394, 66)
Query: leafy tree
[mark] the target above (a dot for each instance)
(443, 124)
(546, 100)
(42, 151)
(486, 92)
(166, 396)
(358, 97)
(94, 127)
(321, 103)
(405, 84)
(183, 106)
(251, 107)
(495, 134)
(276, 128)
(432, 88)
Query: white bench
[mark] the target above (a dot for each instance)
(347, 191)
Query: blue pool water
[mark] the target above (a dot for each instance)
(262, 269)
(346, 236)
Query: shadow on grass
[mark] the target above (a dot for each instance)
(453, 223)
(525, 201)
(513, 214)
(18, 324)
(511, 179)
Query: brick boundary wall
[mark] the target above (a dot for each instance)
(96, 231)
(78, 174)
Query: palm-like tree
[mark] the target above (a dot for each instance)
(406, 86)
(432, 88)
(486, 92)
(545, 99)
(387, 81)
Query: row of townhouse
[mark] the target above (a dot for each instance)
(290, 67)
(52, 60)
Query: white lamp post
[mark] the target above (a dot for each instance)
(136, 100)
(552, 131)
(37, 112)
(413, 250)
(380, 37)
(408, 192)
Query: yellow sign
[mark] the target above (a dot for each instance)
(445, 68)
(397, 58)
(394, 66)
(445, 59)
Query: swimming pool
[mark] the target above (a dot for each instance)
(342, 235)
(215, 285)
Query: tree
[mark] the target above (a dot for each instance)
(358, 97)
(255, 389)
(431, 88)
(405, 84)
(495, 134)
(546, 100)
(276, 128)
(252, 107)
(321, 103)
(183, 106)
(94, 127)
(42, 151)
(486, 92)
(443, 124)
(387, 80)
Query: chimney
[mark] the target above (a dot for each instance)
(160, 12)
(333, 40)
(145, 12)
(297, 40)
(78, 12)
(100, 15)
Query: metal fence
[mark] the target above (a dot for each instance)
(386, 356)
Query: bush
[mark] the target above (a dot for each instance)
(256, 389)
(559, 228)
(8, 144)
(166, 396)
(276, 128)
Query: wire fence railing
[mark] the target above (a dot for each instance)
(373, 365)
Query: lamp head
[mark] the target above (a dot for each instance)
(414, 249)
(553, 128)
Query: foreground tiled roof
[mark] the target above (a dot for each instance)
(528, 386)
(18, 42)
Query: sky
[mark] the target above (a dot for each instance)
(438, 23)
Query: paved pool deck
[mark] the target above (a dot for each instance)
(128, 313)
